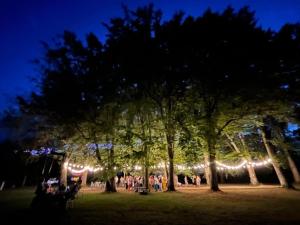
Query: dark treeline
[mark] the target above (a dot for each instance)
(189, 89)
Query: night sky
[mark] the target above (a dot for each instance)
(24, 23)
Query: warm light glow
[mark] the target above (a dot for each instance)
(222, 166)
(231, 167)
(74, 168)
(137, 167)
(76, 171)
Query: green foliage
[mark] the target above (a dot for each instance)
(162, 90)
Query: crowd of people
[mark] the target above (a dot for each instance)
(196, 180)
(156, 182)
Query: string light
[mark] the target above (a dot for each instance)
(222, 166)
(76, 171)
(160, 165)
(75, 168)
(137, 167)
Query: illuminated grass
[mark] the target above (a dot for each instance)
(233, 206)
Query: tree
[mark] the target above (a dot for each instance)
(187, 79)
(224, 81)
(274, 138)
(138, 46)
(247, 157)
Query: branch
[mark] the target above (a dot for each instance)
(182, 125)
(81, 132)
(225, 125)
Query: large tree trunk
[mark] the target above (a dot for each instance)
(213, 182)
(146, 175)
(98, 155)
(211, 138)
(146, 178)
(250, 168)
(171, 186)
(206, 169)
(252, 175)
(282, 180)
(84, 178)
(170, 141)
(292, 166)
(110, 185)
(64, 171)
(110, 182)
(166, 173)
(251, 171)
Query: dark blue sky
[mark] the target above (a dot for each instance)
(24, 23)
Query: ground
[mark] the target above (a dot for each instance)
(262, 205)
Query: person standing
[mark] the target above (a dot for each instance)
(122, 181)
(160, 183)
(156, 184)
(130, 183)
(186, 181)
(151, 182)
(164, 183)
(176, 183)
(198, 180)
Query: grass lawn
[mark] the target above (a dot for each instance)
(235, 205)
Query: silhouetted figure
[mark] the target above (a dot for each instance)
(53, 200)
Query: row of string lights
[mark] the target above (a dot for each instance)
(77, 168)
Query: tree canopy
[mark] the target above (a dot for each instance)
(176, 88)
